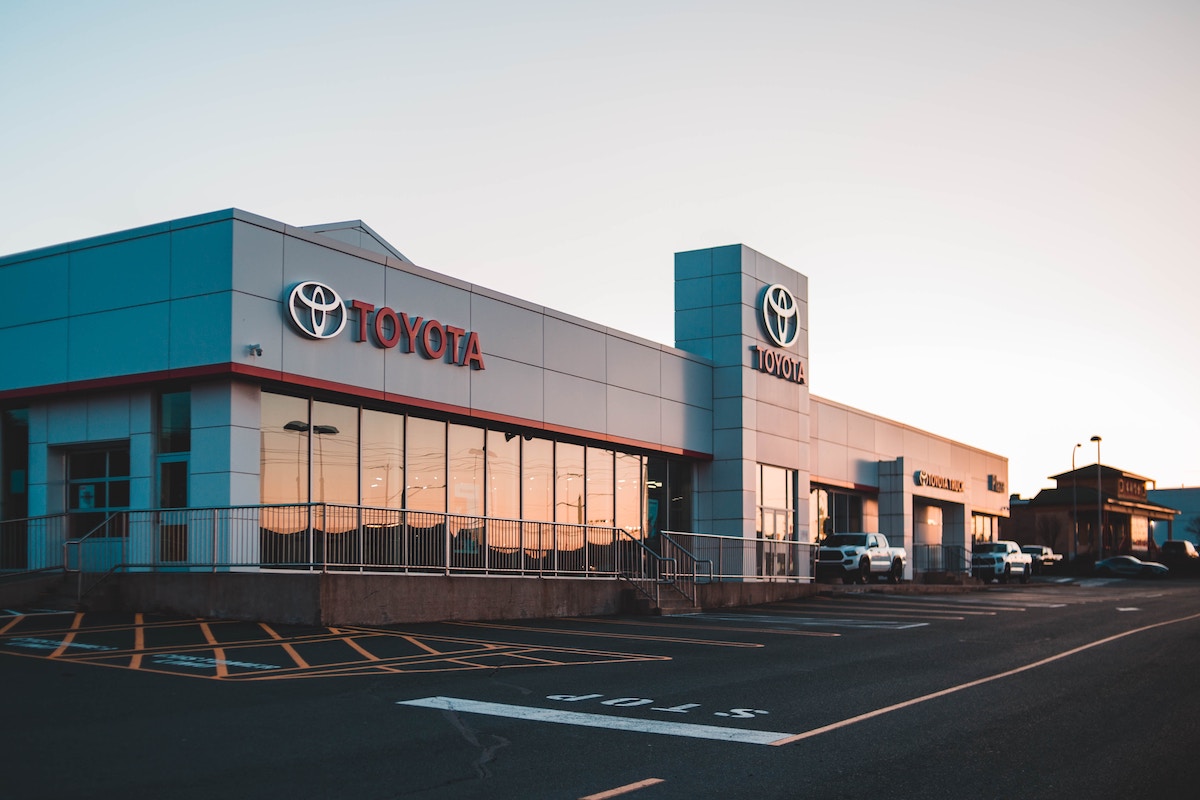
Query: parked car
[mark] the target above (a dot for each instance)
(1130, 567)
(860, 558)
(1180, 555)
(1001, 560)
(1043, 557)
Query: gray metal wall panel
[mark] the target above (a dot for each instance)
(513, 332)
(633, 366)
(575, 402)
(508, 387)
(202, 260)
(119, 275)
(575, 349)
(634, 414)
(195, 330)
(35, 354)
(685, 381)
(123, 342)
(26, 296)
(258, 261)
(413, 375)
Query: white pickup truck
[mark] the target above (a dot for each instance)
(1001, 560)
(859, 558)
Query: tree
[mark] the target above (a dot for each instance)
(1193, 527)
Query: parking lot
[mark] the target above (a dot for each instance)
(765, 699)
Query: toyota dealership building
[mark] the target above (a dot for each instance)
(231, 361)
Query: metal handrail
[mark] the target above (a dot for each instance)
(653, 569)
(696, 570)
(80, 591)
(743, 558)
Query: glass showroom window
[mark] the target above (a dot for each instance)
(466, 459)
(284, 452)
(835, 512)
(776, 502)
(382, 459)
(503, 475)
(425, 472)
(630, 492)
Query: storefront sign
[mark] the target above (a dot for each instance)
(1128, 487)
(781, 323)
(923, 478)
(319, 312)
(779, 364)
(995, 484)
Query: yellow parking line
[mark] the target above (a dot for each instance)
(139, 641)
(12, 622)
(413, 641)
(365, 653)
(620, 790)
(291, 651)
(66, 642)
(222, 667)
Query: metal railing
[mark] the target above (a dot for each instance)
(707, 557)
(33, 544)
(941, 558)
(321, 537)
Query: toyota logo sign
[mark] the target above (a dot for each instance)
(317, 310)
(781, 315)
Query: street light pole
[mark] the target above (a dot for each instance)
(1075, 503)
(1099, 506)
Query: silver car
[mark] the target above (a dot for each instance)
(1130, 567)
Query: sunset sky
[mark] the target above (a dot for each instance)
(996, 204)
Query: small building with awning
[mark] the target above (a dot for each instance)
(1093, 512)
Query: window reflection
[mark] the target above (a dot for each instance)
(537, 485)
(600, 498)
(382, 459)
(503, 475)
(283, 456)
(334, 443)
(466, 463)
(568, 483)
(629, 488)
(426, 474)
(318, 451)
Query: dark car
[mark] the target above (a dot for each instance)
(1180, 555)
(1130, 567)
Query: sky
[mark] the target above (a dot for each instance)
(996, 204)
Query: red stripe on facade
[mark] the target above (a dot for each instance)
(237, 370)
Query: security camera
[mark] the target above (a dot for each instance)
(254, 349)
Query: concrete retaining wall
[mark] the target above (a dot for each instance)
(355, 599)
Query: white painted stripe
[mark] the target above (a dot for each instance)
(598, 720)
(889, 709)
(817, 622)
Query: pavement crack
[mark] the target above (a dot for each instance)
(486, 752)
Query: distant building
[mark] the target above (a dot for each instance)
(1068, 517)
(1187, 500)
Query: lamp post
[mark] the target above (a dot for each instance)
(1099, 506)
(1075, 503)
